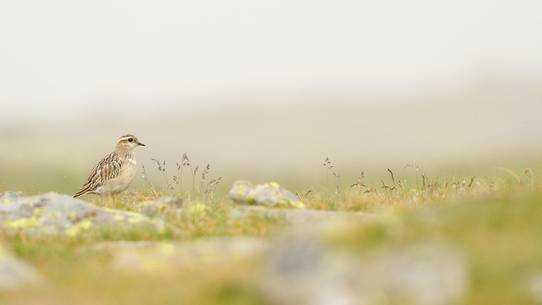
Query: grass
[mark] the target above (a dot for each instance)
(494, 219)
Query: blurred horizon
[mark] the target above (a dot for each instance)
(270, 88)
(487, 120)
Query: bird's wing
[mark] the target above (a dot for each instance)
(108, 168)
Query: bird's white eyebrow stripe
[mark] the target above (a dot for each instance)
(123, 138)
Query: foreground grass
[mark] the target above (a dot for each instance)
(494, 221)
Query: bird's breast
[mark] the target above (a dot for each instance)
(128, 170)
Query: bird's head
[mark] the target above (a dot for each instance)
(127, 143)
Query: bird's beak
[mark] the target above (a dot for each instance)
(141, 144)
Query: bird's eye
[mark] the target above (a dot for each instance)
(130, 140)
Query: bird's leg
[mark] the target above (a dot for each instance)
(103, 199)
(114, 197)
(108, 198)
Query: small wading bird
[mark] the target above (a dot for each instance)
(114, 172)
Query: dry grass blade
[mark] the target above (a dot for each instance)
(511, 173)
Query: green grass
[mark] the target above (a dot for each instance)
(495, 220)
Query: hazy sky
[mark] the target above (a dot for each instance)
(66, 53)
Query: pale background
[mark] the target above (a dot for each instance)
(266, 87)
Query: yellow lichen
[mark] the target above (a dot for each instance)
(297, 204)
(130, 217)
(133, 216)
(38, 212)
(118, 217)
(21, 223)
(54, 214)
(80, 226)
(72, 215)
(251, 198)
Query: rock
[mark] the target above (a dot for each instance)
(302, 269)
(8, 196)
(159, 206)
(161, 257)
(53, 213)
(15, 273)
(295, 216)
(267, 194)
(424, 274)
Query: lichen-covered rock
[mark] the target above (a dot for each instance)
(159, 206)
(5, 197)
(267, 194)
(53, 213)
(15, 273)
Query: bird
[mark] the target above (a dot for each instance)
(114, 173)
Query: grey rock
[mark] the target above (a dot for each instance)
(301, 269)
(16, 274)
(267, 194)
(161, 257)
(295, 216)
(53, 213)
(424, 274)
(159, 206)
